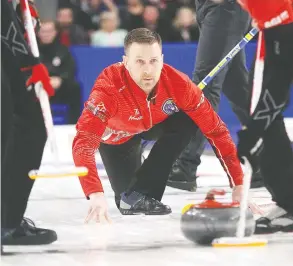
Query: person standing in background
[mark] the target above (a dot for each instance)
(221, 26)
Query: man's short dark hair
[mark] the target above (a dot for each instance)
(142, 36)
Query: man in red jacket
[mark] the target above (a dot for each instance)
(266, 127)
(143, 98)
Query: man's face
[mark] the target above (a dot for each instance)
(47, 33)
(144, 63)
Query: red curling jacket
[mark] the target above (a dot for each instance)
(117, 109)
(269, 13)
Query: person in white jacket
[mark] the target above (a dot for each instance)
(109, 35)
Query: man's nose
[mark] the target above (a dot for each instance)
(147, 69)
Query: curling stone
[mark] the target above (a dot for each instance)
(202, 223)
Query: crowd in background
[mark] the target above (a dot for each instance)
(106, 22)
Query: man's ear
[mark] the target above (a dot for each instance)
(124, 60)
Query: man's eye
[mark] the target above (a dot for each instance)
(154, 61)
(139, 61)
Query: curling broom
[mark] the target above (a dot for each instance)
(240, 240)
(57, 170)
(228, 57)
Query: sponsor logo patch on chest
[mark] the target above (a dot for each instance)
(136, 115)
(169, 107)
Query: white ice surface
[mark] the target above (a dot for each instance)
(59, 204)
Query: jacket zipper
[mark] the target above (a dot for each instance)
(150, 113)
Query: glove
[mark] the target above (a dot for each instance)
(249, 146)
(40, 74)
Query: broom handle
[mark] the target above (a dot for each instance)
(40, 92)
(244, 201)
(256, 90)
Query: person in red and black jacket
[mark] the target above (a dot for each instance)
(143, 98)
(23, 133)
(69, 32)
(266, 128)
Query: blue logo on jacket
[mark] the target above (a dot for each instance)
(169, 107)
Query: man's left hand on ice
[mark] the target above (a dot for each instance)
(237, 193)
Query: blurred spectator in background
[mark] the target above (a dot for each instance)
(173, 5)
(69, 32)
(81, 18)
(109, 34)
(158, 15)
(152, 19)
(185, 24)
(156, 21)
(131, 14)
(60, 63)
(94, 8)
